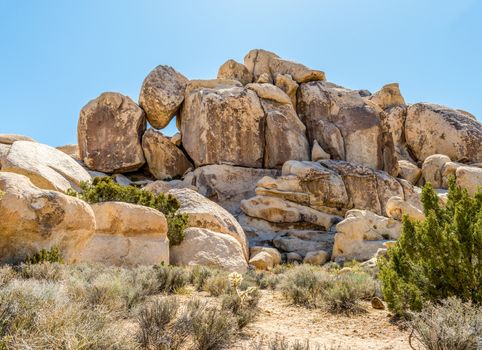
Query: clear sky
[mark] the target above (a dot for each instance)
(57, 55)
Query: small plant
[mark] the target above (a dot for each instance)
(439, 257)
(198, 277)
(53, 255)
(217, 284)
(42, 271)
(105, 189)
(449, 325)
(171, 279)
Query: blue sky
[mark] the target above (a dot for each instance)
(57, 55)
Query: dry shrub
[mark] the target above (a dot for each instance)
(217, 284)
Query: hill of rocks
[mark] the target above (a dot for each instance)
(271, 163)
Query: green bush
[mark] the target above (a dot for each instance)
(439, 257)
(171, 278)
(449, 325)
(105, 189)
(53, 255)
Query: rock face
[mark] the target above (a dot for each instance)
(362, 233)
(388, 96)
(432, 169)
(8, 139)
(470, 178)
(264, 258)
(206, 214)
(109, 134)
(434, 129)
(35, 219)
(223, 125)
(45, 166)
(319, 257)
(161, 95)
(164, 159)
(205, 247)
(127, 234)
(234, 70)
(70, 150)
(227, 185)
(346, 125)
(409, 171)
(261, 62)
(397, 208)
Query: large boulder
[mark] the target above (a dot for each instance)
(223, 124)
(127, 234)
(409, 171)
(432, 169)
(261, 62)
(397, 208)
(303, 242)
(234, 70)
(346, 125)
(470, 178)
(35, 219)
(164, 159)
(286, 83)
(264, 258)
(226, 185)
(205, 247)
(362, 233)
(109, 134)
(161, 95)
(434, 129)
(206, 214)
(388, 96)
(8, 139)
(45, 166)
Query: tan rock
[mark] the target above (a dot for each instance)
(345, 124)
(470, 178)
(409, 171)
(161, 95)
(223, 126)
(377, 303)
(164, 159)
(227, 185)
(395, 119)
(264, 78)
(316, 258)
(35, 219)
(70, 150)
(236, 71)
(294, 241)
(206, 214)
(208, 248)
(264, 258)
(261, 61)
(362, 233)
(176, 139)
(434, 129)
(280, 211)
(4, 149)
(286, 83)
(269, 92)
(8, 139)
(397, 208)
(293, 258)
(285, 135)
(388, 96)
(161, 186)
(216, 84)
(45, 166)
(432, 169)
(318, 153)
(109, 134)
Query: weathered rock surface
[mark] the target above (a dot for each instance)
(434, 129)
(388, 96)
(45, 166)
(160, 186)
(161, 95)
(71, 150)
(164, 159)
(470, 178)
(261, 62)
(205, 247)
(319, 257)
(35, 219)
(286, 83)
(409, 171)
(397, 208)
(206, 214)
(236, 71)
(302, 242)
(227, 185)
(127, 234)
(318, 153)
(264, 258)
(269, 92)
(223, 125)
(432, 169)
(8, 139)
(346, 125)
(362, 233)
(109, 134)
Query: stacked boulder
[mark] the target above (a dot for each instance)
(271, 163)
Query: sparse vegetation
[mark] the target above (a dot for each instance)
(53, 255)
(438, 258)
(105, 189)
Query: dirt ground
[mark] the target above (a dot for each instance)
(368, 331)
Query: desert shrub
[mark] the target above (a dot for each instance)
(153, 320)
(217, 284)
(198, 277)
(171, 279)
(105, 189)
(450, 324)
(7, 273)
(261, 279)
(42, 271)
(211, 328)
(53, 255)
(439, 257)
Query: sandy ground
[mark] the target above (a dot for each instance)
(368, 331)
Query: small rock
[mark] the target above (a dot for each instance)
(377, 303)
(316, 258)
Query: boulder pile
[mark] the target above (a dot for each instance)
(271, 163)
